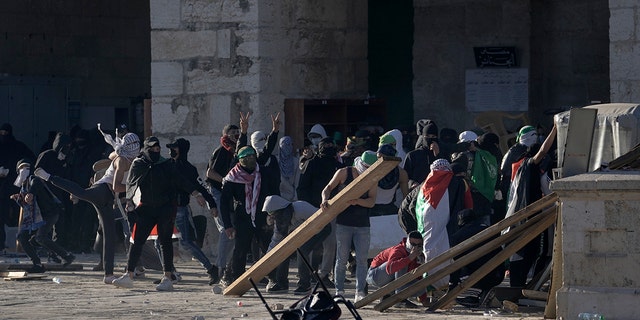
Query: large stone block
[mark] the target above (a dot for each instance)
(167, 118)
(166, 79)
(177, 45)
(622, 25)
(165, 14)
(218, 113)
(613, 303)
(224, 44)
(199, 82)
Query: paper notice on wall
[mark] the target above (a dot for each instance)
(497, 89)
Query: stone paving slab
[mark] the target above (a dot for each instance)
(82, 295)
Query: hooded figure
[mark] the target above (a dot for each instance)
(316, 134)
(397, 137)
(289, 169)
(427, 150)
(178, 151)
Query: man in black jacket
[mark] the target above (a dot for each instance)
(157, 181)
(179, 150)
(243, 195)
(41, 210)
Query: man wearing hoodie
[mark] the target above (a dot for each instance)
(156, 181)
(427, 151)
(56, 165)
(179, 150)
(316, 134)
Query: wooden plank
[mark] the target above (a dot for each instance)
(416, 287)
(13, 273)
(556, 269)
(512, 248)
(31, 276)
(534, 294)
(460, 248)
(313, 225)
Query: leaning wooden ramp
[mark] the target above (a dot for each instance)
(312, 226)
(481, 237)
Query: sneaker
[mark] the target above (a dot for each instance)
(139, 273)
(175, 278)
(327, 282)
(406, 304)
(165, 284)
(109, 279)
(277, 288)
(68, 260)
(469, 301)
(36, 268)
(40, 173)
(359, 296)
(301, 291)
(123, 282)
(53, 258)
(213, 275)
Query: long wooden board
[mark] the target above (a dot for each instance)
(513, 234)
(509, 250)
(461, 248)
(311, 226)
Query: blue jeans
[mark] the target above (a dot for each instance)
(225, 245)
(379, 277)
(183, 222)
(361, 238)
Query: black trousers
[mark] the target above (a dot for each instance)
(146, 218)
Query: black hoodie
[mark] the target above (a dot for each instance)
(186, 169)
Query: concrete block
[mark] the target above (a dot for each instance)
(177, 45)
(622, 24)
(167, 119)
(613, 303)
(165, 14)
(166, 79)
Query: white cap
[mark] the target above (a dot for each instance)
(467, 136)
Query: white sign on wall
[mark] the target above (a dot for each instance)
(497, 89)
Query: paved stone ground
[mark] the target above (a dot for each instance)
(81, 295)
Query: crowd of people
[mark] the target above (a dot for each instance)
(259, 188)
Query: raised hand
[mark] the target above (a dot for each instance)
(275, 122)
(244, 122)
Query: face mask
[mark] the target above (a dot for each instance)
(3, 138)
(529, 140)
(248, 163)
(61, 156)
(315, 141)
(259, 145)
(22, 177)
(154, 156)
(173, 153)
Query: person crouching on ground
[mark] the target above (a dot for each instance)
(396, 261)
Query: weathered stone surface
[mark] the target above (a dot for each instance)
(166, 79)
(177, 45)
(224, 44)
(624, 26)
(167, 118)
(165, 14)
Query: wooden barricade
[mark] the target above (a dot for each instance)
(515, 234)
(311, 226)
(509, 250)
(461, 248)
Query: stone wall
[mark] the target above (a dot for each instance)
(445, 34)
(564, 44)
(600, 246)
(214, 59)
(624, 36)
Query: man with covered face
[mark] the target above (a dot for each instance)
(418, 161)
(41, 210)
(243, 194)
(152, 188)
